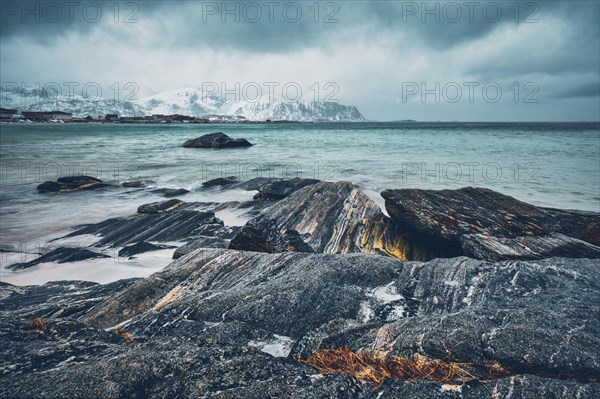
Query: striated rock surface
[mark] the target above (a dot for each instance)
(334, 218)
(168, 226)
(480, 246)
(491, 225)
(225, 323)
(216, 140)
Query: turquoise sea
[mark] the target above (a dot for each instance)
(548, 164)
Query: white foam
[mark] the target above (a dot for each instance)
(387, 293)
(278, 346)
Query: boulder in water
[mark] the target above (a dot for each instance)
(216, 140)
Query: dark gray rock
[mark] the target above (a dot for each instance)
(61, 255)
(204, 327)
(220, 181)
(221, 240)
(171, 192)
(133, 183)
(480, 246)
(494, 226)
(216, 140)
(57, 299)
(469, 210)
(159, 207)
(178, 224)
(71, 183)
(280, 189)
(142, 247)
(335, 218)
(253, 184)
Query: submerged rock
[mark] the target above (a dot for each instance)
(142, 247)
(179, 224)
(133, 183)
(61, 255)
(223, 322)
(220, 181)
(216, 140)
(280, 189)
(159, 207)
(71, 183)
(171, 192)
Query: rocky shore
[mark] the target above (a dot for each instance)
(469, 276)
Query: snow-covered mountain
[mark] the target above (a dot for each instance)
(188, 101)
(50, 100)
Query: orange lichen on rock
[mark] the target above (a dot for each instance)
(121, 331)
(375, 368)
(38, 324)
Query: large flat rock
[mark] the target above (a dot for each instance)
(223, 322)
(491, 225)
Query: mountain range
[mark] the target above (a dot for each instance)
(186, 101)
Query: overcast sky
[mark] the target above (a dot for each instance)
(543, 57)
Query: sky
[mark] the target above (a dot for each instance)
(394, 60)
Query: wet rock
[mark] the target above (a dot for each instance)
(201, 242)
(216, 140)
(171, 192)
(71, 183)
(142, 247)
(280, 189)
(133, 183)
(174, 225)
(159, 207)
(61, 255)
(334, 218)
(254, 183)
(210, 324)
(480, 246)
(494, 226)
(58, 299)
(220, 181)
(469, 210)
(232, 182)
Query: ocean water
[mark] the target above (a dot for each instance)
(547, 164)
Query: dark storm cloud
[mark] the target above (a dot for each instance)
(369, 47)
(586, 90)
(436, 24)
